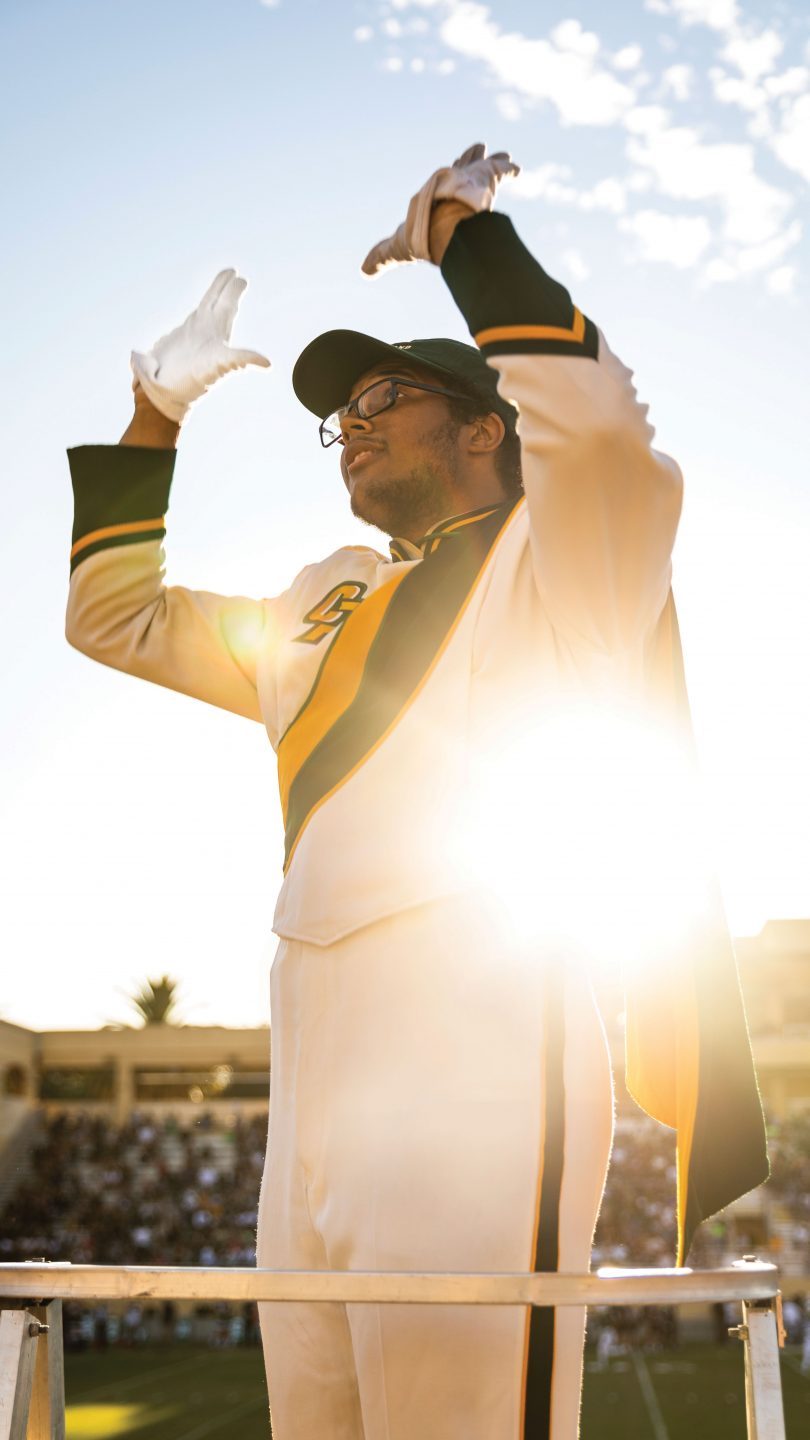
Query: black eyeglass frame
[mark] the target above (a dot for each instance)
(392, 380)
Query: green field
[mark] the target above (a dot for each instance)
(693, 1393)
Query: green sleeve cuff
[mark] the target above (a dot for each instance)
(509, 302)
(120, 494)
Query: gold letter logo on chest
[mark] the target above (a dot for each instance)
(332, 611)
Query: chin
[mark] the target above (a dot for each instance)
(371, 503)
(371, 514)
(400, 506)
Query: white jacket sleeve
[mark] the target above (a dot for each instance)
(120, 612)
(604, 505)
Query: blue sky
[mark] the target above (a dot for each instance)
(666, 155)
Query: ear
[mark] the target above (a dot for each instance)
(486, 433)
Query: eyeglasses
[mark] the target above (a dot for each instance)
(379, 396)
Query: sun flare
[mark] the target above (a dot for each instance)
(589, 830)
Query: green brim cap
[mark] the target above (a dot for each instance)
(331, 364)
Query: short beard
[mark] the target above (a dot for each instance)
(410, 504)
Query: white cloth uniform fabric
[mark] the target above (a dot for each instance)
(563, 608)
(408, 1132)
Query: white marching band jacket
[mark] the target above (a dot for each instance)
(385, 682)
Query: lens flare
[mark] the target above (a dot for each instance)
(589, 829)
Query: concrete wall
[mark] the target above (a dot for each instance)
(198, 1053)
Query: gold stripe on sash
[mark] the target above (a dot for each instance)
(337, 685)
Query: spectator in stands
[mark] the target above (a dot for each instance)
(152, 1192)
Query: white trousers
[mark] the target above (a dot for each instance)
(441, 1100)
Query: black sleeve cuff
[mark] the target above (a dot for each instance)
(509, 302)
(120, 494)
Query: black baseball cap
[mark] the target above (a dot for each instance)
(326, 370)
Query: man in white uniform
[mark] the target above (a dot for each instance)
(441, 1094)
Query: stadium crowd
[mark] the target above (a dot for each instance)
(153, 1192)
(145, 1193)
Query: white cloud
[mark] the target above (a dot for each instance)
(760, 257)
(720, 272)
(734, 90)
(645, 119)
(270, 4)
(575, 265)
(417, 65)
(552, 182)
(363, 32)
(628, 58)
(607, 194)
(569, 35)
(679, 240)
(508, 106)
(639, 181)
(753, 55)
(792, 143)
(734, 264)
(781, 281)
(716, 213)
(392, 63)
(685, 168)
(717, 14)
(678, 80)
(549, 181)
(790, 82)
(563, 70)
(760, 126)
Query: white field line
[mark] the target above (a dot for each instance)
(650, 1398)
(225, 1418)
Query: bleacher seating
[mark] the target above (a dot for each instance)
(153, 1192)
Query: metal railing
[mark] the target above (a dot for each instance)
(32, 1395)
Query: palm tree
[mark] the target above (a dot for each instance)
(156, 1002)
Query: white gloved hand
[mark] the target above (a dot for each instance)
(472, 179)
(183, 364)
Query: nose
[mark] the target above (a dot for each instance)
(353, 424)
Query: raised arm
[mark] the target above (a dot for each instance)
(603, 504)
(119, 611)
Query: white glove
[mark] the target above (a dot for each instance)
(473, 179)
(181, 365)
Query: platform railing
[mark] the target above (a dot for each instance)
(32, 1395)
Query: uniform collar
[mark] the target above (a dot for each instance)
(408, 550)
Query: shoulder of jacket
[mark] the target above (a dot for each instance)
(348, 563)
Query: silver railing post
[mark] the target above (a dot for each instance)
(46, 1418)
(32, 1372)
(18, 1332)
(763, 1388)
(762, 1334)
